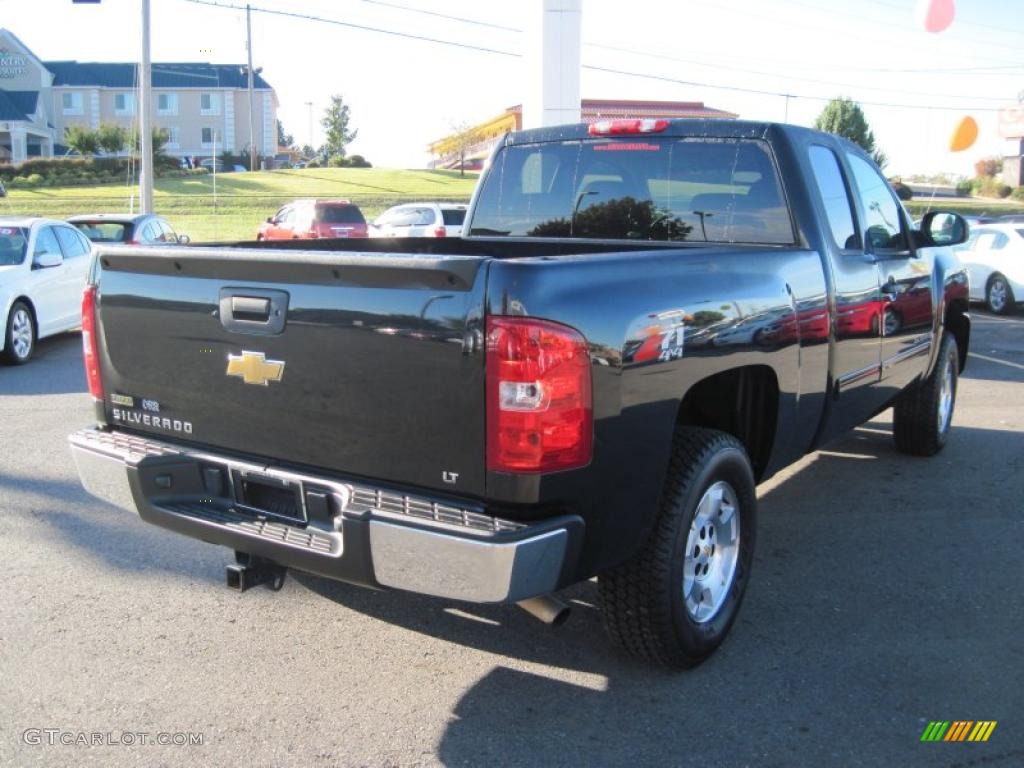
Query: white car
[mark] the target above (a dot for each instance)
(43, 269)
(994, 256)
(420, 220)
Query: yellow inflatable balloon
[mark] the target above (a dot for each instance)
(965, 134)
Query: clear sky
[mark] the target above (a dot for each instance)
(914, 86)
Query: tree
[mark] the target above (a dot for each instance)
(82, 140)
(335, 123)
(464, 137)
(845, 118)
(283, 139)
(989, 167)
(112, 138)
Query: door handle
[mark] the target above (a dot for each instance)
(254, 311)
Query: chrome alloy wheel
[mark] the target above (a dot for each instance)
(997, 295)
(712, 551)
(946, 395)
(21, 333)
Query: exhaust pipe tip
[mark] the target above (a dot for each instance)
(546, 608)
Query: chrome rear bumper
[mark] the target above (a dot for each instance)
(351, 531)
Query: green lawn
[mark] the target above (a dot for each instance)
(243, 200)
(972, 206)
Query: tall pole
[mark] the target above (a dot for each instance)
(309, 106)
(252, 113)
(145, 119)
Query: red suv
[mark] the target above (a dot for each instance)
(308, 219)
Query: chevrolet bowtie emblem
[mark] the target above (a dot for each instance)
(254, 368)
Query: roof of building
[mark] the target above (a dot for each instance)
(165, 75)
(18, 105)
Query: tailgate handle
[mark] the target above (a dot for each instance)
(250, 308)
(254, 311)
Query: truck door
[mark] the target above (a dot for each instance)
(906, 309)
(856, 354)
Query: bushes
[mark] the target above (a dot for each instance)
(903, 192)
(339, 161)
(1017, 193)
(963, 188)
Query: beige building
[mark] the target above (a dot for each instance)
(203, 107)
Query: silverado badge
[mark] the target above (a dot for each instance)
(254, 368)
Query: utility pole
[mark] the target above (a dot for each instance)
(252, 114)
(145, 119)
(309, 106)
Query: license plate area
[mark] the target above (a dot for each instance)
(268, 496)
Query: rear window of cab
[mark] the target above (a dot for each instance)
(647, 188)
(339, 214)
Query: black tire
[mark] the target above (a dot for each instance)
(920, 425)
(645, 610)
(998, 295)
(21, 316)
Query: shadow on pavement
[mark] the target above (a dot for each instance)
(55, 369)
(872, 566)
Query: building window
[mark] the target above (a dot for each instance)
(209, 104)
(124, 103)
(173, 136)
(71, 103)
(209, 135)
(167, 104)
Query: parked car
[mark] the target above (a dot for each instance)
(420, 220)
(131, 229)
(495, 418)
(312, 219)
(43, 269)
(994, 256)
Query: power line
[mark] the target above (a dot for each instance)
(462, 19)
(350, 25)
(592, 67)
(788, 77)
(760, 92)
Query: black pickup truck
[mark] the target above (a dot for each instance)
(644, 319)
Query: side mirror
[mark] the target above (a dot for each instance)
(47, 260)
(184, 239)
(270, 219)
(943, 228)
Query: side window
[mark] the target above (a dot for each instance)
(169, 235)
(424, 217)
(883, 224)
(71, 243)
(46, 242)
(151, 233)
(1000, 242)
(825, 166)
(281, 213)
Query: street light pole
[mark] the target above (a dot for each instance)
(145, 119)
(252, 114)
(309, 106)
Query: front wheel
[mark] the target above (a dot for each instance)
(674, 601)
(998, 295)
(923, 414)
(20, 341)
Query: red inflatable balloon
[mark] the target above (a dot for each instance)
(936, 15)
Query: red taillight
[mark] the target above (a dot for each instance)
(539, 413)
(90, 348)
(440, 232)
(615, 127)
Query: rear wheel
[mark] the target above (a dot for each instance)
(923, 414)
(674, 602)
(20, 339)
(998, 295)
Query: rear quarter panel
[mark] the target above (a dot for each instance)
(730, 303)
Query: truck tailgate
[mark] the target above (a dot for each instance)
(366, 364)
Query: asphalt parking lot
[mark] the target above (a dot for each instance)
(886, 594)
